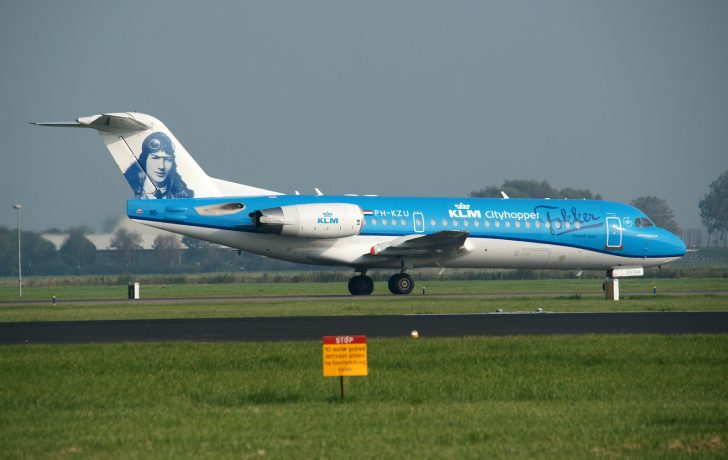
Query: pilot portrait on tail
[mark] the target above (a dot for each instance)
(158, 168)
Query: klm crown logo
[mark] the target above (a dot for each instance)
(463, 211)
(328, 218)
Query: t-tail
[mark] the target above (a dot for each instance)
(155, 164)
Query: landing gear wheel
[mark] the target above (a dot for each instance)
(361, 285)
(401, 283)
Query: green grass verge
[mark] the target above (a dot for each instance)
(349, 306)
(566, 286)
(511, 397)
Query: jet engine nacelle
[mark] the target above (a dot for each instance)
(319, 220)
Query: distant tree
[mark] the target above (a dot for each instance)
(194, 243)
(8, 251)
(658, 211)
(577, 194)
(126, 243)
(530, 188)
(77, 251)
(37, 252)
(714, 206)
(168, 249)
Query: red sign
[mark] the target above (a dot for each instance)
(344, 339)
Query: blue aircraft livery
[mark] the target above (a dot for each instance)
(173, 193)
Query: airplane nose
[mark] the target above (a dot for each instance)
(678, 245)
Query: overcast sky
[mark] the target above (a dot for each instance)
(625, 98)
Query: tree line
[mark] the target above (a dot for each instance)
(77, 255)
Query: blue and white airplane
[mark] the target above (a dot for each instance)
(172, 192)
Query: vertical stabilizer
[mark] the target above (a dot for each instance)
(155, 164)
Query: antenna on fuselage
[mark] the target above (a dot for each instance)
(503, 194)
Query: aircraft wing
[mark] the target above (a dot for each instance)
(440, 243)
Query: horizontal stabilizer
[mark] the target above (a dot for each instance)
(109, 123)
(59, 124)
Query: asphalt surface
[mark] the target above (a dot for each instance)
(314, 328)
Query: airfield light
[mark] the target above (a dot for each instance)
(17, 207)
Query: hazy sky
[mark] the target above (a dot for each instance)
(625, 98)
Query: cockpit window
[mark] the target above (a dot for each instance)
(643, 222)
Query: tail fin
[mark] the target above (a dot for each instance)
(153, 162)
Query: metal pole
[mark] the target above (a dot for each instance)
(17, 207)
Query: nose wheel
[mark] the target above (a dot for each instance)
(361, 285)
(401, 283)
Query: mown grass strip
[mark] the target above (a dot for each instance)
(565, 286)
(511, 397)
(349, 306)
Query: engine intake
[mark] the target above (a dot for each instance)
(319, 220)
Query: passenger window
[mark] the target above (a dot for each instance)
(384, 221)
(444, 222)
(433, 222)
(374, 221)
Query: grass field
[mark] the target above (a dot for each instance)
(350, 306)
(513, 397)
(475, 297)
(566, 286)
(510, 397)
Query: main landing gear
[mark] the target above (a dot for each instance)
(361, 284)
(399, 284)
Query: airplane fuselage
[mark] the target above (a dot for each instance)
(501, 233)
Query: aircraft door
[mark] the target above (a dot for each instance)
(419, 222)
(614, 233)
